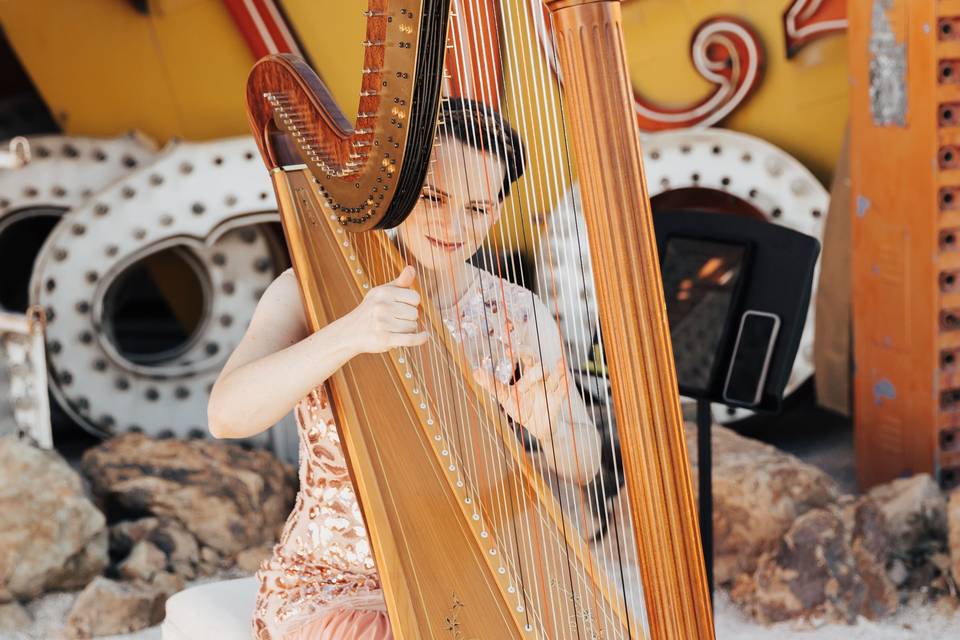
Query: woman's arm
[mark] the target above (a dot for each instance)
(278, 360)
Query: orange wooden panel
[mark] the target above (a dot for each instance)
(905, 178)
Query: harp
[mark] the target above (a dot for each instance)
(473, 536)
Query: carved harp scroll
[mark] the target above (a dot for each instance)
(474, 536)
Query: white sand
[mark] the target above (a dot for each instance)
(911, 623)
(917, 623)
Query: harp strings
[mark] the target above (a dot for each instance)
(478, 449)
(617, 546)
(513, 229)
(510, 234)
(525, 77)
(532, 538)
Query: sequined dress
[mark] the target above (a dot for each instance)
(321, 581)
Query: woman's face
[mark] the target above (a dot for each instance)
(458, 205)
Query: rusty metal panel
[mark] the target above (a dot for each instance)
(905, 218)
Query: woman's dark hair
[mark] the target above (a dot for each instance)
(480, 126)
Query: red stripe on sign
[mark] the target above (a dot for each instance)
(277, 26)
(262, 26)
(247, 27)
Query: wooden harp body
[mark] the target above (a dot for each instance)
(500, 556)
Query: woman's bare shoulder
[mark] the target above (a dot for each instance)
(278, 322)
(281, 305)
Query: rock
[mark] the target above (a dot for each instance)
(207, 569)
(758, 491)
(947, 606)
(898, 572)
(178, 543)
(869, 540)
(953, 539)
(211, 562)
(210, 555)
(13, 619)
(107, 607)
(181, 548)
(250, 559)
(914, 508)
(166, 534)
(124, 535)
(829, 566)
(145, 561)
(60, 541)
(916, 513)
(227, 497)
(168, 583)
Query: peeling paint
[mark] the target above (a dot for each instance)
(863, 204)
(883, 389)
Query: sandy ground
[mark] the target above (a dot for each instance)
(919, 623)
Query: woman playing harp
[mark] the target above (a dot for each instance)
(321, 581)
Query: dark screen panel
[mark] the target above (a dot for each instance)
(700, 278)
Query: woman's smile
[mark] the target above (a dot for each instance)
(444, 245)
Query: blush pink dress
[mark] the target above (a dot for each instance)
(321, 582)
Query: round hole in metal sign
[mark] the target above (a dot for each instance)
(21, 236)
(155, 308)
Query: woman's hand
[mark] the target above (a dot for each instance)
(388, 316)
(539, 400)
(548, 407)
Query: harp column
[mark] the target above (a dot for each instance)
(598, 97)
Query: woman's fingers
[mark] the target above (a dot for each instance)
(409, 339)
(406, 296)
(531, 376)
(406, 277)
(398, 325)
(504, 394)
(404, 312)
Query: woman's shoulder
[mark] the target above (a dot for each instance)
(281, 302)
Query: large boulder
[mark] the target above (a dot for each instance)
(107, 607)
(916, 515)
(52, 536)
(914, 508)
(758, 493)
(227, 497)
(829, 566)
